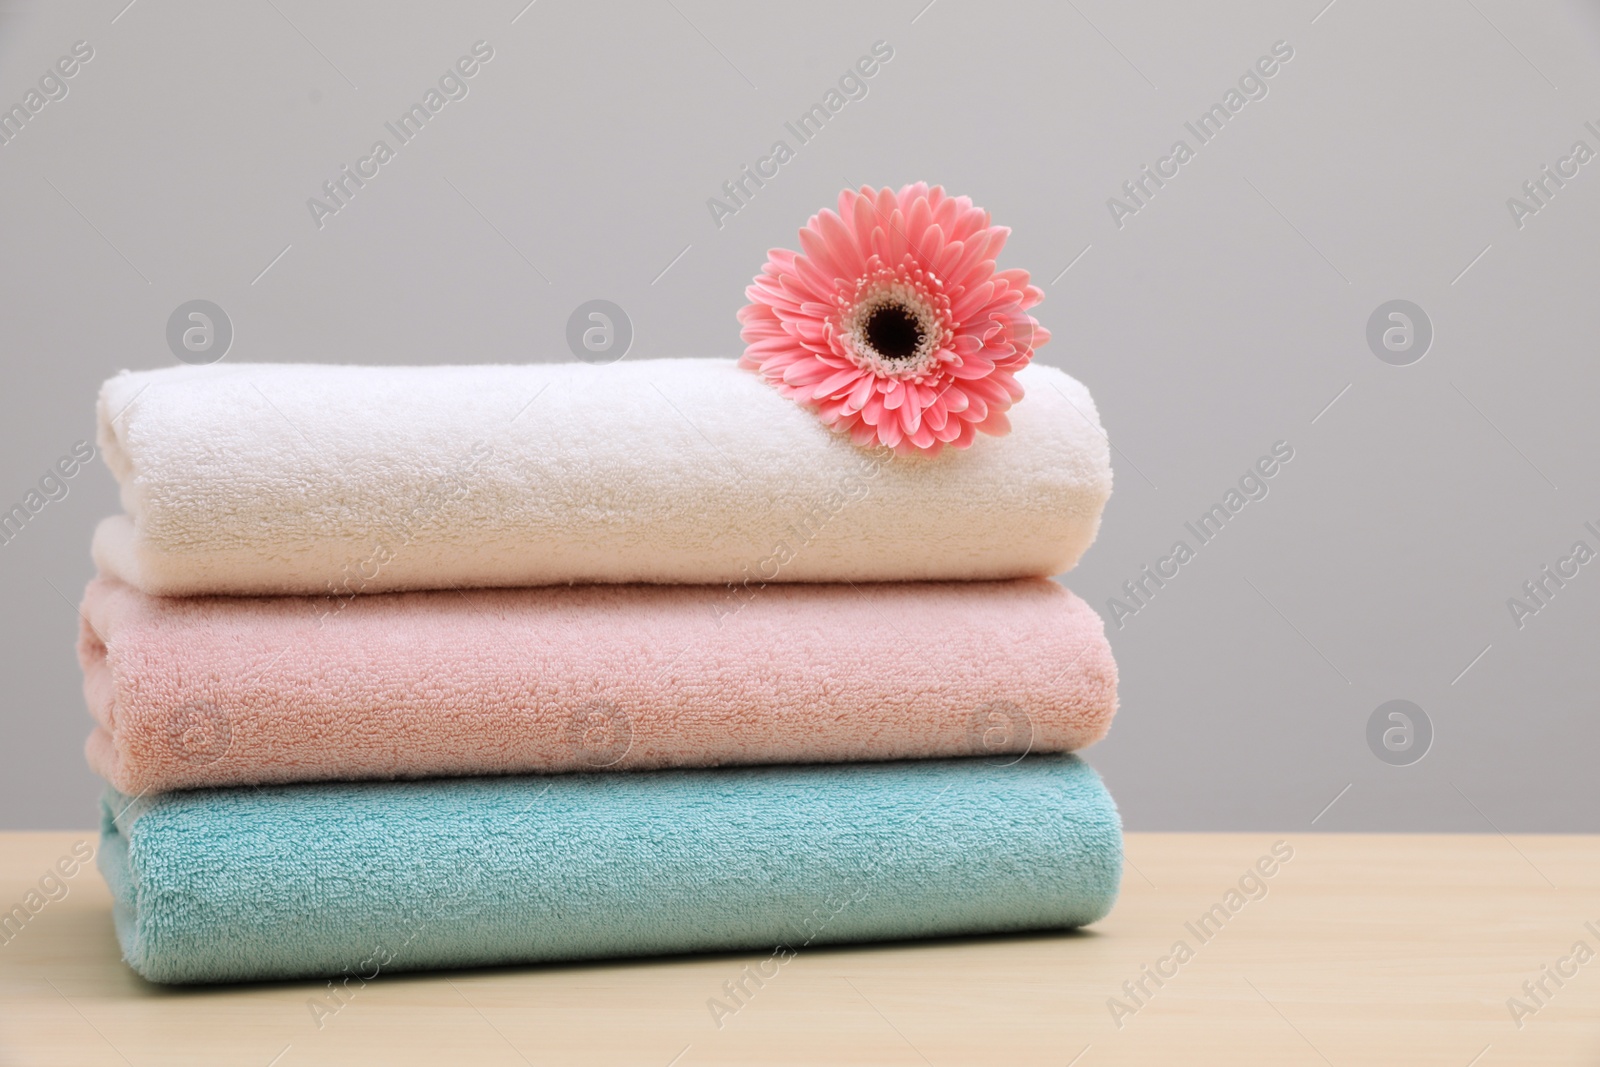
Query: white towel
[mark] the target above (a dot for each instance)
(336, 480)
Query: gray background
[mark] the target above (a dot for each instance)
(1222, 318)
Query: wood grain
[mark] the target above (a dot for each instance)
(1360, 949)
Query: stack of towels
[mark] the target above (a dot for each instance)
(412, 667)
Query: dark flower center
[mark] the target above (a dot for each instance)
(893, 332)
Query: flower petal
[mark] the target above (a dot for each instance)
(996, 424)
(842, 247)
(836, 382)
(862, 392)
(911, 415)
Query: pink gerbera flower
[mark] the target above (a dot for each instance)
(892, 322)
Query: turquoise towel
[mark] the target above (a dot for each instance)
(330, 879)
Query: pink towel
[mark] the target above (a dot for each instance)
(213, 691)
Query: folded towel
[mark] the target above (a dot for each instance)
(223, 885)
(283, 478)
(211, 691)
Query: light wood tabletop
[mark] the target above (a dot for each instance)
(1355, 949)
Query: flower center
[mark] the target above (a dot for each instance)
(894, 323)
(893, 332)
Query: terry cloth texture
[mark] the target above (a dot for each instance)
(213, 691)
(285, 478)
(324, 880)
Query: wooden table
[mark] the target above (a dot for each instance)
(1360, 949)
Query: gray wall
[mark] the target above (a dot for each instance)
(1222, 317)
